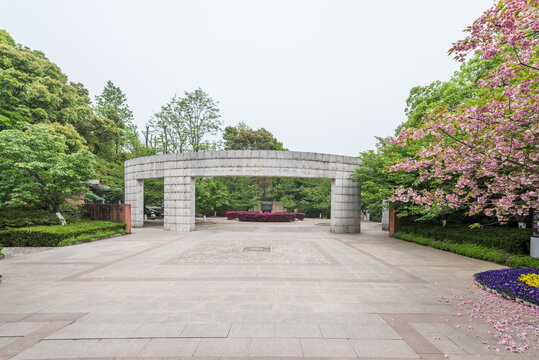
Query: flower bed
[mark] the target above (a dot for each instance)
(511, 283)
(264, 217)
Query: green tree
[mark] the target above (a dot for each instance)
(102, 136)
(113, 97)
(112, 104)
(184, 124)
(73, 140)
(34, 90)
(377, 183)
(461, 88)
(154, 192)
(211, 195)
(242, 137)
(37, 169)
(287, 202)
(170, 132)
(201, 114)
(243, 192)
(317, 197)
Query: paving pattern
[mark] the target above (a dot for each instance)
(163, 295)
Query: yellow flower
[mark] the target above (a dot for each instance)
(530, 279)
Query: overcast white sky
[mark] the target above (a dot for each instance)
(322, 76)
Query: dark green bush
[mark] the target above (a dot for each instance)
(53, 235)
(510, 239)
(473, 250)
(15, 217)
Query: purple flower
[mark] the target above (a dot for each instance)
(506, 282)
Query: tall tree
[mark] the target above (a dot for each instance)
(184, 124)
(377, 181)
(113, 97)
(36, 168)
(34, 90)
(169, 129)
(483, 155)
(242, 137)
(211, 195)
(201, 114)
(112, 104)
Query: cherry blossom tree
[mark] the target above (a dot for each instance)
(484, 156)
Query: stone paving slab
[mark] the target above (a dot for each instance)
(211, 330)
(264, 330)
(327, 348)
(298, 330)
(19, 328)
(124, 298)
(276, 347)
(223, 347)
(170, 347)
(383, 348)
(160, 330)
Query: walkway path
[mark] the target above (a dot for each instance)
(212, 294)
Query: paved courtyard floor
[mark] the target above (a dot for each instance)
(231, 290)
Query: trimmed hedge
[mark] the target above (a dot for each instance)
(512, 240)
(15, 217)
(90, 237)
(264, 217)
(474, 251)
(53, 235)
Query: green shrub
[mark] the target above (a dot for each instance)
(74, 213)
(15, 217)
(473, 250)
(1, 253)
(53, 235)
(510, 239)
(90, 237)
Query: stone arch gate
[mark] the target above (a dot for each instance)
(180, 170)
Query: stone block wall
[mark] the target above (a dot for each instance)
(111, 212)
(180, 170)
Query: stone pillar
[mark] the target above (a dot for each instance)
(179, 201)
(385, 215)
(193, 211)
(134, 196)
(345, 206)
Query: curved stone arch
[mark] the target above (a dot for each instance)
(180, 170)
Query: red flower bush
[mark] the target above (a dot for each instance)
(262, 217)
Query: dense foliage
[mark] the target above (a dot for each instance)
(48, 125)
(509, 239)
(473, 250)
(24, 216)
(469, 145)
(482, 155)
(34, 90)
(210, 195)
(242, 137)
(36, 96)
(53, 235)
(184, 124)
(37, 168)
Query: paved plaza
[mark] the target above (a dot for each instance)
(238, 290)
